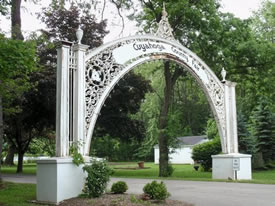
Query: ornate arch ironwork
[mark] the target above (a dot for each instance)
(106, 65)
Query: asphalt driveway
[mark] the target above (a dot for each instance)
(196, 192)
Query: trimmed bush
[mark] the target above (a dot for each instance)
(97, 179)
(156, 191)
(202, 153)
(119, 187)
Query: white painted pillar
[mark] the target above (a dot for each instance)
(62, 99)
(223, 165)
(231, 117)
(79, 103)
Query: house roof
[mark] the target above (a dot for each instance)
(189, 140)
(192, 140)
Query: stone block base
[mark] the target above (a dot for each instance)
(222, 166)
(58, 179)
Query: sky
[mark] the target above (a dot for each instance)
(240, 8)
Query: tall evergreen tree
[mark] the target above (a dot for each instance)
(247, 143)
(262, 127)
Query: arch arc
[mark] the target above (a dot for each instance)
(96, 72)
(106, 65)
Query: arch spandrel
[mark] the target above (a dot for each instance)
(106, 65)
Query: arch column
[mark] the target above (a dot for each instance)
(79, 107)
(62, 99)
(58, 178)
(231, 165)
(230, 117)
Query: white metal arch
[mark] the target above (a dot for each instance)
(106, 65)
(85, 79)
(95, 73)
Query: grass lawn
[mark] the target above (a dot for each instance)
(17, 194)
(28, 168)
(184, 172)
(264, 177)
(181, 172)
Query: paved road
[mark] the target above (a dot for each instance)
(19, 178)
(198, 193)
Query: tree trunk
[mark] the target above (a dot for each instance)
(170, 80)
(163, 121)
(16, 32)
(10, 156)
(20, 162)
(1, 133)
(258, 161)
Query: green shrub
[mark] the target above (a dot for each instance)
(97, 179)
(156, 191)
(202, 153)
(170, 170)
(119, 187)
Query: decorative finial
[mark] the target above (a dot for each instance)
(164, 28)
(164, 13)
(79, 34)
(223, 73)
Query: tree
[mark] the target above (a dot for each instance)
(186, 18)
(191, 105)
(124, 101)
(16, 34)
(263, 130)
(263, 21)
(3, 11)
(170, 80)
(211, 129)
(62, 24)
(1, 133)
(263, 24)
(247, 143)
(188, 111)
(17, 61)
(36, 106)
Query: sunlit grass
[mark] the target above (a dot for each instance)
(29, 168)
(17, 194)
(151, 171)
(185, 172)
(266, 176)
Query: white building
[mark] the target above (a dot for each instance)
(182, 154)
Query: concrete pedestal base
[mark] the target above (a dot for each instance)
(222, 166)
(58, 179)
